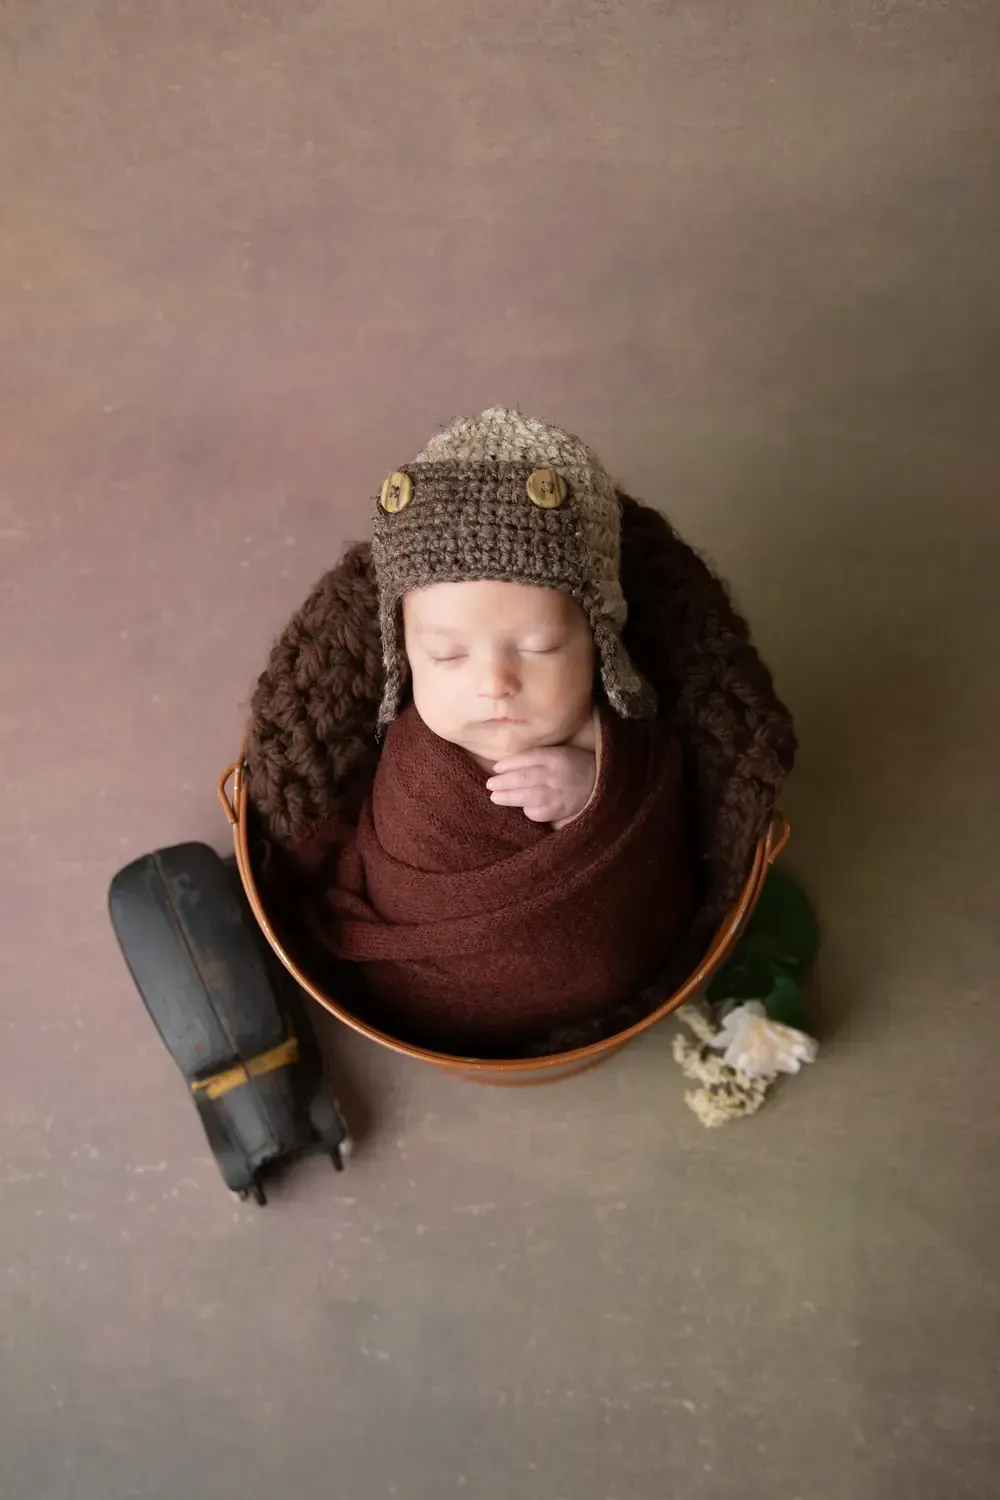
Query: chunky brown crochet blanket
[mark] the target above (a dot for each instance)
(312, 747)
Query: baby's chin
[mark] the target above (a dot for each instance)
(491, 742)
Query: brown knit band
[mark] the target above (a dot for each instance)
(468, 521)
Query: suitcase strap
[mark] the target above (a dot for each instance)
(231, 1078)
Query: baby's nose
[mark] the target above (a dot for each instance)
(498, 679)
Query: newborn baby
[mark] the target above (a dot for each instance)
(464, 795)
(507, 672)
(521, 863)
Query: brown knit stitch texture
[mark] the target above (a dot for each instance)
(684, 633)
(312, 746)
(311, 741)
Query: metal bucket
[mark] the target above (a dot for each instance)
(515, 1071)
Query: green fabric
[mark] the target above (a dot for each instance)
(773, 954)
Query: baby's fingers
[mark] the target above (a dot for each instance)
(520, 778)
(540, 758)
(513, 796)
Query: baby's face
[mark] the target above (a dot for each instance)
(498, 668)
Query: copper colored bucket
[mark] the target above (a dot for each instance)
(515, 1070)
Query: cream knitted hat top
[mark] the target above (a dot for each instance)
(505, 497)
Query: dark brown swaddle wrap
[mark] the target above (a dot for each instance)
(477, 930)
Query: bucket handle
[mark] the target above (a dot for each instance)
(229, 807)
(778, 835)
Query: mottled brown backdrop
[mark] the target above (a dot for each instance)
(250, 254)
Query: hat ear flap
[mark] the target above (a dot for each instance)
(628, 693)
(397, 668)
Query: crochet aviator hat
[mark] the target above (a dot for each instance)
(505, 497)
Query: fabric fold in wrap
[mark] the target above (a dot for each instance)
(478, 931)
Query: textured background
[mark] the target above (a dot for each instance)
(250, 255)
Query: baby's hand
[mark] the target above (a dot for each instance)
(552, 784)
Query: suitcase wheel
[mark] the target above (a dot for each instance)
(329, 1128)
(254, 1191)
